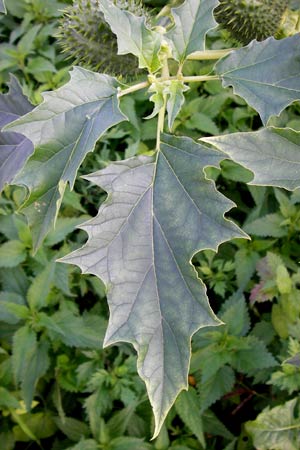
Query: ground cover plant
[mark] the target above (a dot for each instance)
(153, 240)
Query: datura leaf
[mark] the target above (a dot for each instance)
(133, 35)
(266, 74)
(192, 21)
(272, 154)
(159, 212)
(63, 129)
(276, 428)
(2, 7)
(14, 148)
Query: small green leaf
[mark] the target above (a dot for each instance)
(187, 406)
(63, 227)
(63, 129)
(276, 428)
(276, 165)
(283, 280)
(266, 74)
(192, 21)
(129, 443)
(175, 100)
(30, 361)
(215, 387)
(251, 355)
(40, 424)
(234, 313)
(39, 289)
(7, 400)
(85, 444)
(12, 307)
(12, 253)
(133, 35)
(270, 225)
(74, 429)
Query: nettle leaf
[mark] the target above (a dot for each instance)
(192, 21)
(276, 428)
(266, 74)
(272, 154)
(187, 407)
(159, 212)
(15, 149)
(133, 35)
(175, 100)
(2, 7)
(64, 128)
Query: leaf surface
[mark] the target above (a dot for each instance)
(192, 20)
(266, 74)
(272, 154)
(159, 212)
(133, 35)
(64, 128)
(14, 148)
(2, 7)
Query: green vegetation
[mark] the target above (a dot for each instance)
(59, 388)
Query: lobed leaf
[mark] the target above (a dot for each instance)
(272, 154)
(266, 74)
(159, 211)
(15, 149)
(63, 129)
(192, 21)
(133, 35)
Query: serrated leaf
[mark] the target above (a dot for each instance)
(187, 407)
(30, 361)
(234, 314)
(63, 129)
(175, 100)
(2, 7)
(6, 300)
(40, 287)
(215, 387)
(276, 165)
(133, 35)
(128, 443)
(15, 149)
(276, 428)
(74, 429)
(266, 74)
(192, 21)
(12, 253)
(159, 212)
(252, 355)
(269, 225)
(85, 444)
(293, 360)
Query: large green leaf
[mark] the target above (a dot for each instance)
(64, 128)
(266, 74)
(276, 428)
(133, 35)
(159, 212)
(192, 21)
(272, 154)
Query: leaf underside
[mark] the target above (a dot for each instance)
(14, 148)
(159, 212)
(192, 21)
(266, 74)
(63, 129)
(2, 7)
(279, 162)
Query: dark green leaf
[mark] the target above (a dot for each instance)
(10, 315)
(12, 253)
(159, 212)
(129, 443)
(64, 128)
(74, 429)
(192, 21)
(266, 74)
(7, 400)
(234, 313)
(272, 154)
(40, 287)
(85, 444)
(40, 424)
(187, 406)
(215, 387)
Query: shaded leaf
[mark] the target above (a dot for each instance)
(215, 387)
(63, 129)
(40, 287)
(74, 429)
(85, 444)
(234, 313)
(266, 74)
(276, 428)
(12, 253)
(192, 21)
(187, 406)
(40, 424)
(129, 443)
(293, 360)
(6, 299)
(276, 165)
(133, 35)
(14, 148)
(159, 212)
(214, 426)
(252, 355)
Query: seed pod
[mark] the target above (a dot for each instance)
(86, 38)
(250, 19)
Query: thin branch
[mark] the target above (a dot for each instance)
(210, 54)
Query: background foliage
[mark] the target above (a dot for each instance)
(58, 388)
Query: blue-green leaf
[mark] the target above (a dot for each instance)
(266, 74)
(192, 21)
(2, 7)
(64, 128)
(160, 211)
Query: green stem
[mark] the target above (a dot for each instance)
(134, 88)
(210, 54)
(197, 78)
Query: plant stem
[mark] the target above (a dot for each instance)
(197, 78)
(210, 54)
(161, 114)
(134, 88)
